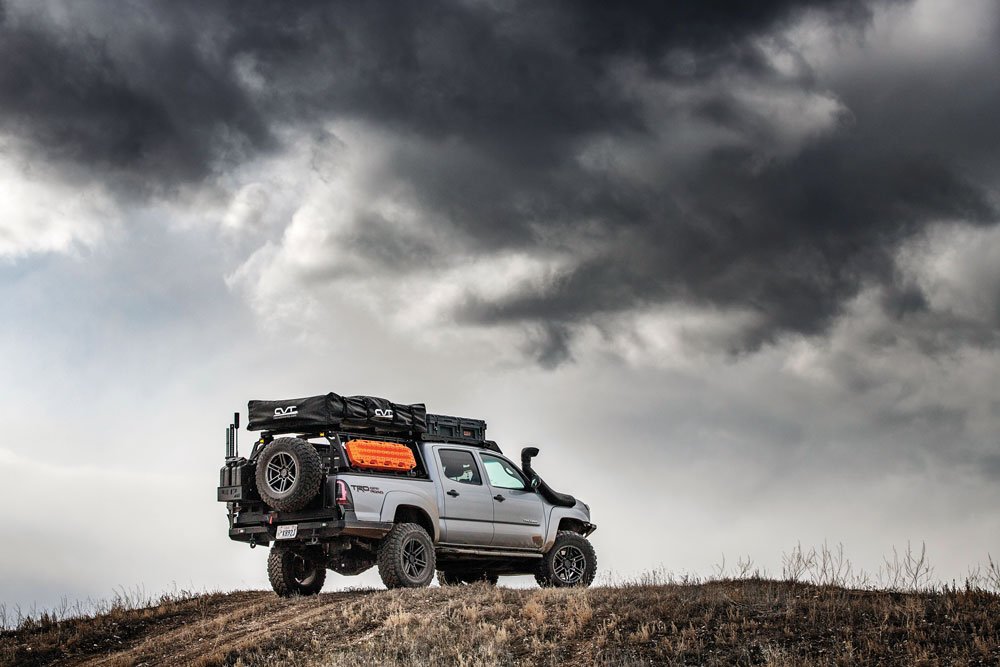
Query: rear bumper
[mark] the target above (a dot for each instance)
(309, 532)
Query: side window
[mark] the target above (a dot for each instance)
(459, 466)
(502, 474)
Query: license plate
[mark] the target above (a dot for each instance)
(287, 532)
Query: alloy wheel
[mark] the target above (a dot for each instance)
(281, 472)
(414, 558)
(569, 564)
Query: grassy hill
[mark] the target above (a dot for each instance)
(747, 622)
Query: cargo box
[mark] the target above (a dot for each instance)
(455, 429)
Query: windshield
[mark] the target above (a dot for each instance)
(502, 474)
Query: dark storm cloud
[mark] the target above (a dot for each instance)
(157, 115)
(156, 87)
(505, 96)
(792, 242)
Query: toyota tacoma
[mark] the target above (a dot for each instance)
(350, 483)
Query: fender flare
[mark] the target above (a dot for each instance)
(557, 515)
(393, 499)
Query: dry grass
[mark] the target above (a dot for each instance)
(726, 622)
(822, 612)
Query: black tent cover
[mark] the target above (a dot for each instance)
(332, 411)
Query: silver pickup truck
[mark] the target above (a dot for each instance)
(409, 500)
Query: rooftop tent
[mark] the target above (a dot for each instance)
(332, 411)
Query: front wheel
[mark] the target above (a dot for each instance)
(570, 562)
(295, 573)
(406, 557)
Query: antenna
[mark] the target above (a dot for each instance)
(229, 443)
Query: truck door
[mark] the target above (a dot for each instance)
(468, 503)
(518, 514)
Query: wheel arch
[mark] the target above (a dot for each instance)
(566, 518)
(573, 525)
(406, 507)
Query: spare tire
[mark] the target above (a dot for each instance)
(289, 472)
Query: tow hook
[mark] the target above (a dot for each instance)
(253, 541)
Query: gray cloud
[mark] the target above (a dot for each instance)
(671, 150)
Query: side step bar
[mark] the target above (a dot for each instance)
(469, 551)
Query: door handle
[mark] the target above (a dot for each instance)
(498, 498)
(453, 493)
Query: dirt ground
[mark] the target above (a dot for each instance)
(749, 622)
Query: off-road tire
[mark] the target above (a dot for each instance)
(396, 552)
(295, 573)
(306, 474)
(551, 572)
(458, 577)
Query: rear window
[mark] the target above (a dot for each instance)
(459, 466)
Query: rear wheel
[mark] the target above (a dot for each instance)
(570, 562)
(295, 573)
(406, 557)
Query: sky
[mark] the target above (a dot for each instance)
(734, 267)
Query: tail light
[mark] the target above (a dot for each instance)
(341, 492)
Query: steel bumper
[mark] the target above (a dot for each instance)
(309, 532)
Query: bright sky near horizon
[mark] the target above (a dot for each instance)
(733, 267)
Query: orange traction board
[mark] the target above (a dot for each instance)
(379, 455)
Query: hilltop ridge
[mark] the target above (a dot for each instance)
(745, 622)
